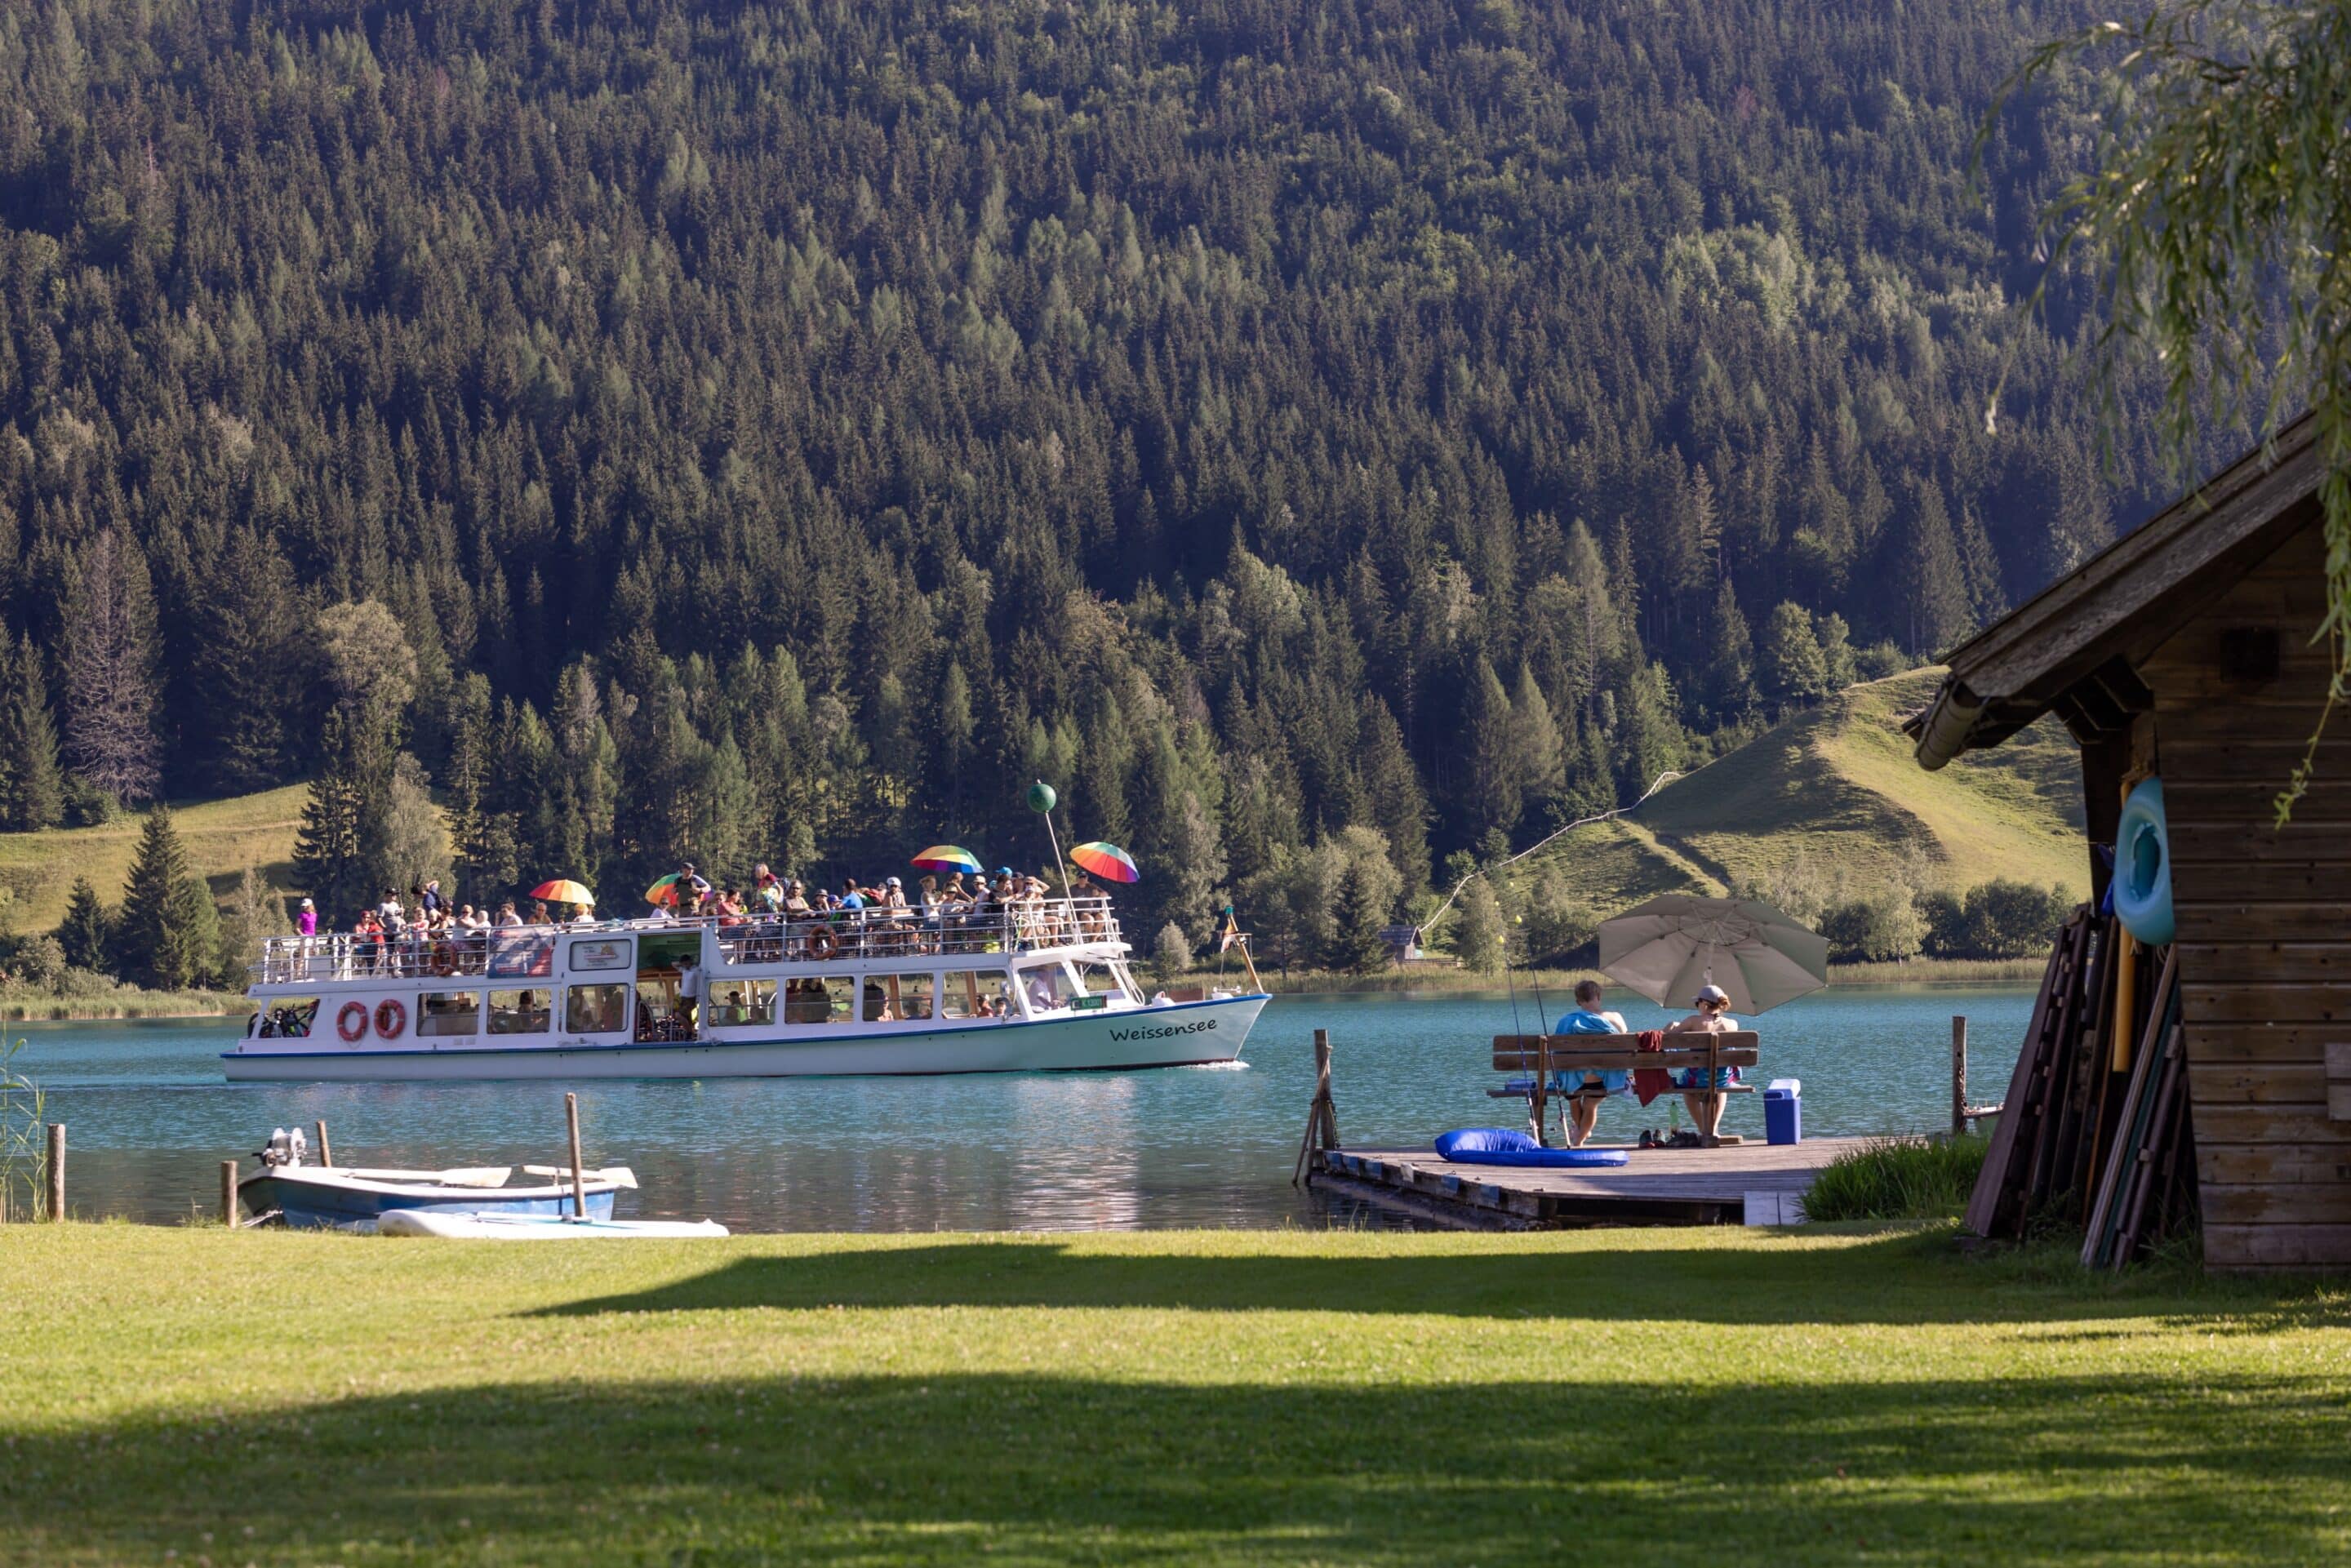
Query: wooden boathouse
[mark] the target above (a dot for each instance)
(2185, 653)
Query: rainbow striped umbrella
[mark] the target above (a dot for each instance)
(948, 858)
(1106, 861)
(562, 891)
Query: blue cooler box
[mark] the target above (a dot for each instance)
(1783, 1111)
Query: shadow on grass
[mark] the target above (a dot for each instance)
(1908, 1277)
(1047, 1468)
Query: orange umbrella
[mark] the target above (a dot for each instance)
(562, 891)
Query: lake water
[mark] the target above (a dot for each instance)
(150, 1117)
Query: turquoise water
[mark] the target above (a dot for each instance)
(150, 1118)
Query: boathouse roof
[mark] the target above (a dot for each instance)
(2072, 649)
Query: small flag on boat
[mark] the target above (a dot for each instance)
(1231, 933)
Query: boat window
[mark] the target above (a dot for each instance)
(595, 1009)
(521, 1012)
(602, 953)
(975, 993)
(1097, 983)
(734, 1002)
(910, 997)
(1048, 988)
(287, 1017)
(813, 1000)
(449, 1012)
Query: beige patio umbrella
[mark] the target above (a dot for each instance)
(1669, 947)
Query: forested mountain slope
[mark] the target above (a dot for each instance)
(778, 431)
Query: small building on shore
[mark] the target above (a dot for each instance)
(2186, 652)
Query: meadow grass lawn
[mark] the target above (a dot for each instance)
(1247, 1397)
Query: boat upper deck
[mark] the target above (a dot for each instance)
(734, 943)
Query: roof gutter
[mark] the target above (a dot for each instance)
(1943, 734)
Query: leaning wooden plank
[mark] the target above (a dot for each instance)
(2056, 1071)
(2110, 1180)
(2163, 1114)
(1984, 1203)
(2121, 1160)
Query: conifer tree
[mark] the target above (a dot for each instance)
(1496, 780)
(1730, 660)
(329, 849)
(1359, 949)
(1929, 592)
(190, 955)
(1541, 760)
(152, 940)
(31, 792)
(86, 934)
(1399, 808)
(247, 661)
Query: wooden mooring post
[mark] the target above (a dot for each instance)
(1321, 1117)
(1958, 1074)
(326, 1150)
(228, 1194)
(579, 1180)
(57, 1172)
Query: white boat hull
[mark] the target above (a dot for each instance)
(541, 1227)
(1181, 1034)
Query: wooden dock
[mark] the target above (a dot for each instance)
(1657, 1187)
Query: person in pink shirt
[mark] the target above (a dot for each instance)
(307, 923)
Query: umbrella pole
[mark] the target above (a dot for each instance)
(1058, 861)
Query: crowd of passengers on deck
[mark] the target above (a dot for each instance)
(426, 934)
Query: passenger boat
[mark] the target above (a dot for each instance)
(1037, 985)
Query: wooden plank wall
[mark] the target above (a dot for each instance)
(2264, 918)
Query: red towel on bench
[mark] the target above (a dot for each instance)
(1649, 1082)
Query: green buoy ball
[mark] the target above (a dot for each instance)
(1041, 797)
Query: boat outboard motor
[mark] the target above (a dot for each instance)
(285, 1147)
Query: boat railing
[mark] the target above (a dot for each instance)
(527, 953)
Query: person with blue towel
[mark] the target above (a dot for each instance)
(1584, 1097)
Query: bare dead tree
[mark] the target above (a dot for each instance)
(109, 669)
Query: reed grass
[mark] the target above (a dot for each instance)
(1898, 1178)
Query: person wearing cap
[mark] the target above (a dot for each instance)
(307, 923)
(1584, 1096)
(1713, 1016)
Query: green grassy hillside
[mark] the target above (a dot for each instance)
(1832, 798)
(222, 838)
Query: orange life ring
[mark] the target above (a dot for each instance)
(351, 1022)
(823, 944)
(391, 1019)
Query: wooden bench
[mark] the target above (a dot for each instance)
(1544, 1055)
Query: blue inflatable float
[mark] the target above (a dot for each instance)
(1507, 1147)
(2142, 885)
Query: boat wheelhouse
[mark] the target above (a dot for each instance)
(1044, 985)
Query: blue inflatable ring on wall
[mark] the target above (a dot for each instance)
(2143, 866)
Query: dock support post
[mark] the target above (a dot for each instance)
(1321, 1117)
(228, 1194)
(578, 1179)
(1958, 1074)
(57, 1172)
(326, 1150)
